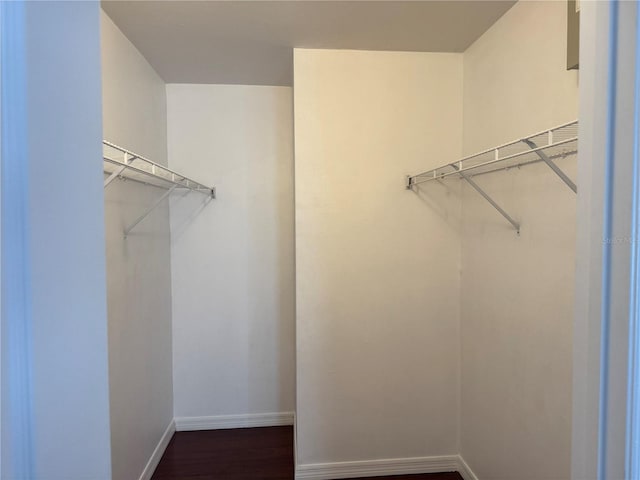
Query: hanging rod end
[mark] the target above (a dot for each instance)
(213, 192)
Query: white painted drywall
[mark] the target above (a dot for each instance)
(377, 266)
(14, 378)
(138, 268)
(233, 257)
(594, 58)
(517, 292)
(53, 232)
(605, 358)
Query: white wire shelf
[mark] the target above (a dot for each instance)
(546, 146)
(123, 164)
(556, 142)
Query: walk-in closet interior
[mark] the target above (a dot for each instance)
(306, 236)
(354, 218)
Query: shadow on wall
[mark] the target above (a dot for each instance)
(188, 207)
(271, 195)
(444, 199)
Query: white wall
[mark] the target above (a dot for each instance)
(14, 420)
(54, 306)
(69, 370)
(377, 266)
(517, 292)
(606, 320)
(233, 257)
(594, 59)
(138, 268)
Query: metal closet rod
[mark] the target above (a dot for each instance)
(174, 179)
(523, 164)
(439, 176)
(460, 170)
(508, 144)
(195, 186)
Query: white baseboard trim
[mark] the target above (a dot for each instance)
(316, 471)
(376, 468)
(465, 470)
(153, 462)
(219, 422)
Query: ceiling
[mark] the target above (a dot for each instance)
(250, 42)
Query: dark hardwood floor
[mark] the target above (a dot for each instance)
(241, 454)
(237, 454)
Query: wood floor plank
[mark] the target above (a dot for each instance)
(242, 454)
(235, 454)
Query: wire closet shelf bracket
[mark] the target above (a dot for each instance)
(546, 146)
(120, 163)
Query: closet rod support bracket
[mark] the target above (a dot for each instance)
(114, 175)
(486, 196)
(148, 211)
(128, 158)
(543, 156)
